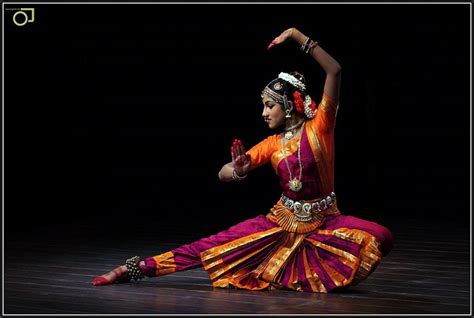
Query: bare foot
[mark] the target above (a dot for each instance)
(118, 275)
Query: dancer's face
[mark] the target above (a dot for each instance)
(273, 113)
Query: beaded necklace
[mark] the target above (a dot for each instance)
(295, 184)
(288, 131)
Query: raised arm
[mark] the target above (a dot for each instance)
(327, 62)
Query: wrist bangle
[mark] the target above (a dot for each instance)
(308, 45)
(236, 177)
(304, 46)
(312, 45)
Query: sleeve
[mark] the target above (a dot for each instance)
(261, 153)
(325, 118)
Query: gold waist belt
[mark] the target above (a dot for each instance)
(302, 216)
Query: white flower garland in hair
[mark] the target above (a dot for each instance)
(292, 80)
(307, 108)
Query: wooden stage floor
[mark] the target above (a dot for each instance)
(48, 271)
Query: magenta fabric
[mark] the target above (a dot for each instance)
(381, 233)
(310, 175)
(335, 263)
(252, 247)
(189, 256)
(318, 268)
(339, 243)
(149, 267)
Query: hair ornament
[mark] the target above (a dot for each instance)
(309, 107)
(299, 103)
(292, 80)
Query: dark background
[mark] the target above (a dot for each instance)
(123, 115)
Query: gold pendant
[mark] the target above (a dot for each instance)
(295, 185)
(289, 135)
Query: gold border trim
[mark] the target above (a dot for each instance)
(165, 264)
(287, 220)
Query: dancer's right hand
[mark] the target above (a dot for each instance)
(240, 160)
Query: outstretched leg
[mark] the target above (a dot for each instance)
(186, 256)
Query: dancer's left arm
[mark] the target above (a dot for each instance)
(330, 99)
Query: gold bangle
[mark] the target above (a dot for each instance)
(236, 176)
(312, 45)
(304, 47)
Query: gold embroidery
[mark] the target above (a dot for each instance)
(290, 147)
(164, 264)
(222, 250)
(327, 104)
(369, 256)
(347, 262)
(338, 279)
(312, 277)
(319, 157)
(280, 257)
(293, 274)
(281, 253)
(333, 250)
(215, 272)
(222, 282)
(287, 220)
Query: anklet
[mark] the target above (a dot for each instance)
(133, 269)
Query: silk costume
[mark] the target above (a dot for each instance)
(276, 250)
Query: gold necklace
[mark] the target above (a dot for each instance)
(289, 131)
(295, 184)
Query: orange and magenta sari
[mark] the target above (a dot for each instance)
(276, 250)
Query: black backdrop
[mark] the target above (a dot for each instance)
(117, 110)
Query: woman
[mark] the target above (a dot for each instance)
(303, 243)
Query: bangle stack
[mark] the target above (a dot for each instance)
(236, 177)
(308, 45)
(133, 270)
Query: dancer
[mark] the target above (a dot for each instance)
(304, 242)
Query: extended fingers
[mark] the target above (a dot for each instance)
(237, 151)
(273, 43)
(240, 148)
(234, 150)
(232, 153)
(281, 38)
